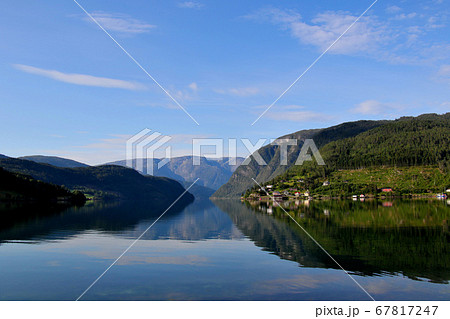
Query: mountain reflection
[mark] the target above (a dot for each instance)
(405, 237)
(199, 220)
(370, 238)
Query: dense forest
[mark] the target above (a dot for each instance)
(410, 154)
(16, 187)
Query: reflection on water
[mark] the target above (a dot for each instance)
(227, 250)
(410, 237)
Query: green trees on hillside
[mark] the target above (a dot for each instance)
(17, 187)
(422, 142)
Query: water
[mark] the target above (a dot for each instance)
(228, 250)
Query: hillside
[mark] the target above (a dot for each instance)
(212, 173)
(55, 161)
(17, 187)
(410, 155)
(241, 179)
(103, 181)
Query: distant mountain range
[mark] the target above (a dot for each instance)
(55, 161)
(212, 173)
(106, 181)
(408, 141)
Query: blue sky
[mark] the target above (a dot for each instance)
(68, 90)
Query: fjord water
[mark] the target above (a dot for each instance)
(228, 250)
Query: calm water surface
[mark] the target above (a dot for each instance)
(228, 250)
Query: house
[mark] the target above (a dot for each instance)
(386, 190)
(448, 190)
(306, 194)
(326, 183)
(297, 194)
(269, 186)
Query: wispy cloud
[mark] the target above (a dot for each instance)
(402, 38)
(393, 9)
(326, 27)
(444, 70)
(297, 113)
(244, 91)
(374, 107)
(190, 5)
(80, 79)
(443, 74)
(120, 23)
(193, 86)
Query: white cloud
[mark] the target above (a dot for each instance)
(80, 79)
(373, 107)
(404, 16)
(443, 74)
(444, 70)
(244, 91)
(296, 113)
(325, 28)
(393, 9)
(395, 39)
(193, 86)
(120, 23)
(190, 5)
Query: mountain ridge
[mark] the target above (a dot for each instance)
(54, 160)
(241, 179)
(212, 173)
(106, 182)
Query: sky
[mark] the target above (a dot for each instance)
(69, 89)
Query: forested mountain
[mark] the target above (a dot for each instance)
(423, 140)
(17, 187)
(106, 181)
(241, 179)
(212, 173)
(410, 154)
(55, 161)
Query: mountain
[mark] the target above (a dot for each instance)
(409, 155)
(212, 173)
(198, 191)
(105, 181)
(55, 161)
(409, 141)
(17, 187)
(3, 156)
(241, 179)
